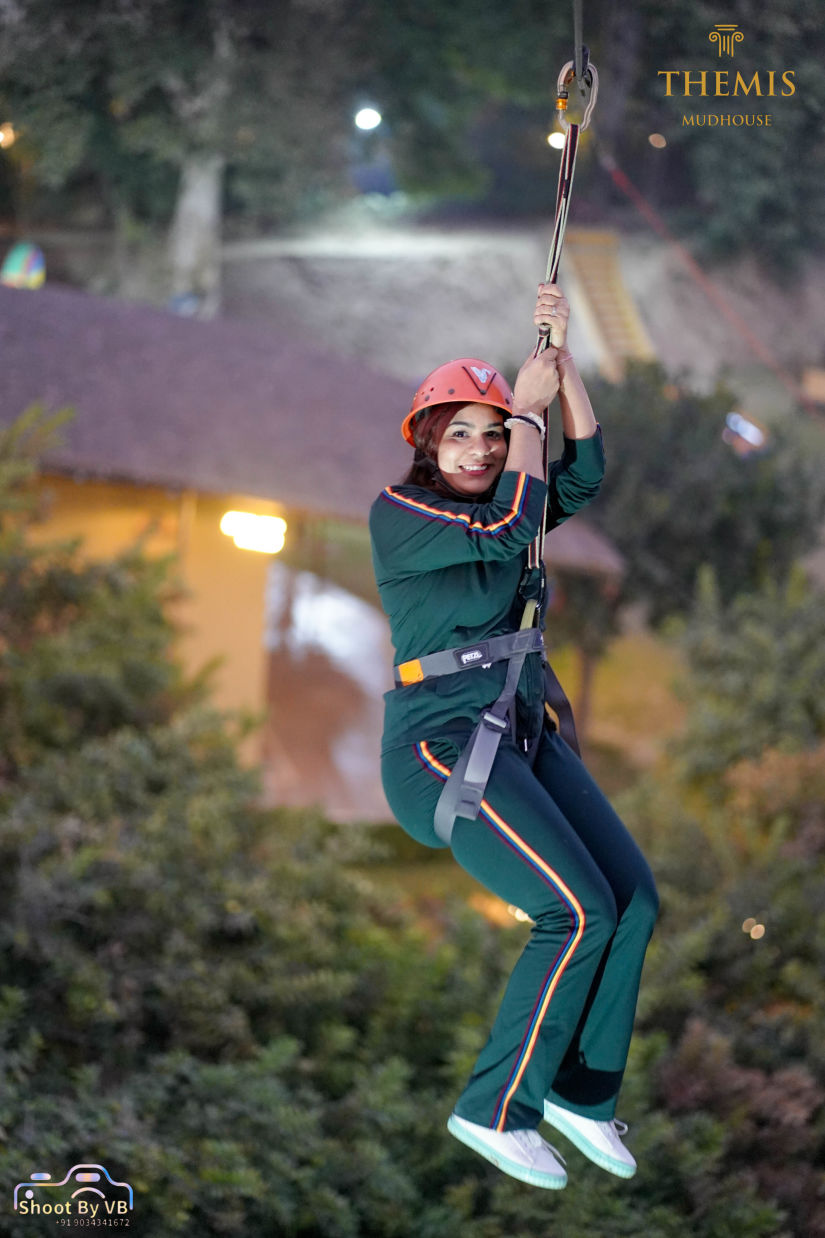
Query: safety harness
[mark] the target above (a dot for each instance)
(465, 657)
(464, 789)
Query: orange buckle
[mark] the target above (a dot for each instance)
(410, 672)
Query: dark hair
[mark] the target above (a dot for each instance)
(428, 431)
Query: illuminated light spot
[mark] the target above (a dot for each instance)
(747, 429)
(23, 266)
(658, 140)
(7, 135)
(248, 531)
(367, 118)
(748, 924)
(757, 931)
(556, 140)
(517, 913)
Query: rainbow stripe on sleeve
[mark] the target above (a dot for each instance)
(509, 521)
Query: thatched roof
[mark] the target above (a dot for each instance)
(577, 546)
(219, 406)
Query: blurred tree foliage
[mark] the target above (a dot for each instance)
(134, 90)
(677, 501)
(583, 612)
(121, 98)
(756, 672)
(213, 1001)
(679, 497)
(734, 824)
(158, 102)
(203, 993)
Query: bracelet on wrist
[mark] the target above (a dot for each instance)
(528, 419)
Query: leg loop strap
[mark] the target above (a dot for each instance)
(464, 790)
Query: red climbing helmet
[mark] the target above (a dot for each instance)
(465, 381)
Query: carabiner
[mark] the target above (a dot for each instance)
(589, 84)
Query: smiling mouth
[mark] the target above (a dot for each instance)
(477, 469)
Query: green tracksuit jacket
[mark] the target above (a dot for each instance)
(448, 574)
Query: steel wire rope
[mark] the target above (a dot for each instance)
(586, 77)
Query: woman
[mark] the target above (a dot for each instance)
(450, 546)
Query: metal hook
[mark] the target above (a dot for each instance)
(589, 82)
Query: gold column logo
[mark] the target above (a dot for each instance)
(726, 35)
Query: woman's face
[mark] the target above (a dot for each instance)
(473, 450)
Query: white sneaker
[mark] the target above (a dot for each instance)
(598, 1140)
(522, 1154)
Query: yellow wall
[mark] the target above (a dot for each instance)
(223, 616)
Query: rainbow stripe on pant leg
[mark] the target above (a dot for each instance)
(562, 959)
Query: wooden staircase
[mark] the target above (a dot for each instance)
(602, 301)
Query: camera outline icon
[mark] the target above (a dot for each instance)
(86, 1175)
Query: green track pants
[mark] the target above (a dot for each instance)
(547, 841)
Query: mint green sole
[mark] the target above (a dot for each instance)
(598, 1158)
(550, 1182)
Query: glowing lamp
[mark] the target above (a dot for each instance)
(556, 140)
(265, 534)
(367, 118)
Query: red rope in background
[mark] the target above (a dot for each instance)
(714, 294)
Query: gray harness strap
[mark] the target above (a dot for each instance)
(464, 789)
(466, 657)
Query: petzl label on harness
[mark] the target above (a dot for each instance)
(472, 655)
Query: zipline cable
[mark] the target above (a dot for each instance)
(578, 42)
(587, 80)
